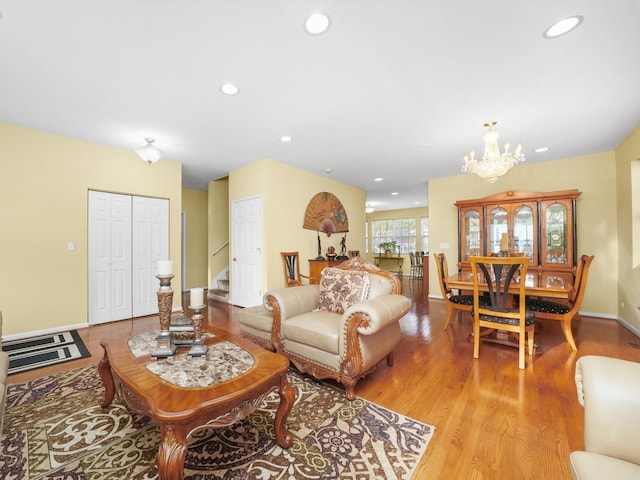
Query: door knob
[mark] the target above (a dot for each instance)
(235, 259)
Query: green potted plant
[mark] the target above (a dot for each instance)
(388, 247)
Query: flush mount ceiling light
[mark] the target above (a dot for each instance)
(229, 89)
(149, 153)
(563, 26)
(317, 23)
(285, 139)
(493, 164)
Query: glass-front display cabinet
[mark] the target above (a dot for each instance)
(539, 225)
(471, 233)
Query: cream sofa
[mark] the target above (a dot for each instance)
(340, 329)
(4, 368)
(609, 391)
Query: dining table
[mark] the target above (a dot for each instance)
(557, 285)
(537, 283)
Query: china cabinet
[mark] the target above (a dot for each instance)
(539, 225)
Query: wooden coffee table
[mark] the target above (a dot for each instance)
(227, 385)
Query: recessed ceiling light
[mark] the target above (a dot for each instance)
(395, 193)
(285, 139)
(378, 179)
(229, 89)
(317, 23)
(328, 170)
(541, 149)
(417, 203)
(563, 26)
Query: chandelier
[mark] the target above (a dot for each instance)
(493, 164)
(149, 153)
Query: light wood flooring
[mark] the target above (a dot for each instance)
(493, 421)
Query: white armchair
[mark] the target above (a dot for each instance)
(609, 391)
(340, 329)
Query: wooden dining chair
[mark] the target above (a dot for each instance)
(495, 276)
(291, 266)
(455, 303)
(564, 311)
(416, 265)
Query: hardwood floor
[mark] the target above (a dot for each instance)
(493, 420)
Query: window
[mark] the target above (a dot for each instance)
(402, 230)
(424, 227)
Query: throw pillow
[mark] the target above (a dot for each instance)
(339, 289)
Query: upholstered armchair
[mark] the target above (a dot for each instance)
(343, 327)
(609, 391)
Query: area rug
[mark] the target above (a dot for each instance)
(45, 350)
(55, 428)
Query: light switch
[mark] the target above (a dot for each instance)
(71, 246)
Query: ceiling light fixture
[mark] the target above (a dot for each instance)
(493, 164)
(368, 209)
(285, 139)
(541, 150)
(149, 153)
(317, 23)
(563, 26)
(378, 179)
(229, 89)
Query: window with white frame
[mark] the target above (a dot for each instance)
(400, 230)
(424, 227)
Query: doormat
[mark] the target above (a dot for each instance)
(43, 351)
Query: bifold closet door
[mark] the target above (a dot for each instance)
(150, 241)
(109, 260)
(127, 236)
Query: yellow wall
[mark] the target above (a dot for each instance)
(286, 192)
(194, 205)
(594, 175)
(44, 184)
(218, 229)
(628, 153)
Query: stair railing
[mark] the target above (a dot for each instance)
(217, 250)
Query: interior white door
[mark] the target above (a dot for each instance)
(150, 241)
(109, 259)
(246, 252)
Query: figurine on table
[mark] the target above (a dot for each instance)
(331, 253)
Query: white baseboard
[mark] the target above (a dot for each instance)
(64, 328)
(47, 331)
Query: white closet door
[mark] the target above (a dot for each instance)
(109, 257)
(246, 274)
(150, 244)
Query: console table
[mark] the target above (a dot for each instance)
(316, 267)
(396, 260)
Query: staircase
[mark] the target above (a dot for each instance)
(221, 293)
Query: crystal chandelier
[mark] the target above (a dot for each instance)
(493, 164)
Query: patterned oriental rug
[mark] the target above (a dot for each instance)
(54, 427)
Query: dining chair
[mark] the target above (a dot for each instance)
(495, 275)
(291, 266)
(564, 311)
(416, 265)
(455, 303)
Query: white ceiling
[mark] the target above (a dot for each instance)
(397, 89)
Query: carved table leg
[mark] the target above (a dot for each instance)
(171, 454)
(104, 368)
(287, 397)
